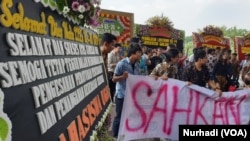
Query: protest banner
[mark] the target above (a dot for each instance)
(156, 108)
(52, 85)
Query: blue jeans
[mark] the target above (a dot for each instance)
(117, 119)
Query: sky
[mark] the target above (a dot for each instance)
(188, 15)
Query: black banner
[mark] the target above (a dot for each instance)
(51, 75)
(161, 42)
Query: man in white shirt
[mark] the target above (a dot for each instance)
(113, 59)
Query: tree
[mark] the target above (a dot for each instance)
(188, 45)
(232, 32)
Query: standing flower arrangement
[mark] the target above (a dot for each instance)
(212, 30)
(247, 37)
(160, 21)
(85, 12)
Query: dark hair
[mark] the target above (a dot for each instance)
(224, 50)
(235, 54)
(202, 47)
(210, 50)
(108, 37)
(143, 46)
(218, 48)
(135, 40)
(194, 49)
(133, 48)
(199, 54)
(117, 45)
(171, 53)
(246, 81)
(149, 50)
(171, 45)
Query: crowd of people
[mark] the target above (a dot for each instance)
(216, 69)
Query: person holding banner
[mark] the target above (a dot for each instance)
(167, 69)
(245, 66)
(247, 80)
(198, 73)
(222, 70)
(128, 65)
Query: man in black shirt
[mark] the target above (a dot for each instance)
(198, 73)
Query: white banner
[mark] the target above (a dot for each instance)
(156, 108)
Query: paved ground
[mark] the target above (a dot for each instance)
(112, 111)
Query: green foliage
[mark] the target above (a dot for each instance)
(188, 39)
(182, 34)
(61, 4)
(232, 32)
(84, 12)
(103, 131)
(188, 46)
(4, 128)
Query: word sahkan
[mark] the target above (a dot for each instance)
(195, 108)
(216, 132)
(156, 108)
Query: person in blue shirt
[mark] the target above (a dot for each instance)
(128, 65)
